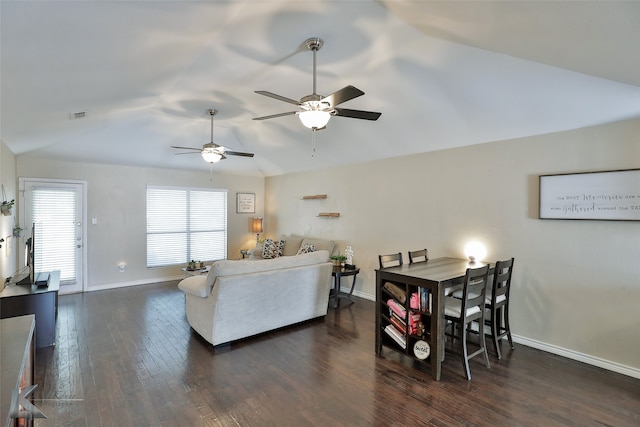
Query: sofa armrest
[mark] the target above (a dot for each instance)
(195, 285)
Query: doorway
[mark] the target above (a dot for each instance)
(55, 211)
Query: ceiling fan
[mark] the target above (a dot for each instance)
(212, 152)
(316, 110)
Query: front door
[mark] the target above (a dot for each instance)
(54, 210)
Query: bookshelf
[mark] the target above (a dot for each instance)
(404, 319)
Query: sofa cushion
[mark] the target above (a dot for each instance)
(320, 244)
(305, 249)
(272, 248)
(294, 243)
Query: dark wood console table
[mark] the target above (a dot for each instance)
(19, 300)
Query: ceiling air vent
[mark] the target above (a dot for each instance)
(77, 115)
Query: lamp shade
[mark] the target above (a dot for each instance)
(475, 251)
(314, 119)
(256, 225)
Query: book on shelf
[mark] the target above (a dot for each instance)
(397, 308)
(423, 297)
(396, 335)
(398, 323)
(396, 292)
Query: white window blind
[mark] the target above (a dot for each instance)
(185, 224)
(54, 216)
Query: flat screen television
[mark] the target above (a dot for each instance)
(30, 254)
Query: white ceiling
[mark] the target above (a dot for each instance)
(443, 74)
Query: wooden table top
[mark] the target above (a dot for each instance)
(436, 270)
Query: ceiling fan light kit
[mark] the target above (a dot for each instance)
(211, 156)
(314, 118)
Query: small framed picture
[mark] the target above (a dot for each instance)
(245, 202)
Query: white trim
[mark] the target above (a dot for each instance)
(173, 187)
(84, 184)
(133, 283)
(580, 357)
(549, 348)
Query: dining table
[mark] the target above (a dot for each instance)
(437, 275)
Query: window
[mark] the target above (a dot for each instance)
(185, 224)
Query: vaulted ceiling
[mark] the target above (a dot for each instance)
(443, 74)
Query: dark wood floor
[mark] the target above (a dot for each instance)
(127, 357)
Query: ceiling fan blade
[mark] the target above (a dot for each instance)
(357, 114)
(343, 95)
(186, 148)
(238, 153)
(273, 116)
(278, 97)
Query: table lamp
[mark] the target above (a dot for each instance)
(256, 227)
(475, 251)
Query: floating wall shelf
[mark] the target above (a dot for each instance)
(317, 196)
(329, 214)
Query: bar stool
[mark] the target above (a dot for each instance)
(471, 308)
(497, 305)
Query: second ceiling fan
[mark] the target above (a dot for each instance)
(212, 152)
(316, 110)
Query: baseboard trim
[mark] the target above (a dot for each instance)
(580, 357)
(553, 349)
(132, 283)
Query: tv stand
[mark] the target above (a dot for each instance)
(21, 299)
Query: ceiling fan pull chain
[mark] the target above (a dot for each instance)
(313, 143)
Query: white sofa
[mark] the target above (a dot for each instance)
(241, 298)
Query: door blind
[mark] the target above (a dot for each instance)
(54, 216)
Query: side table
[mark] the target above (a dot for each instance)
(197, 272)
(337, 274)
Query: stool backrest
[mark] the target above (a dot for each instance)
(391, 260)
(421, 255)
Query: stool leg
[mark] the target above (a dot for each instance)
(465, 358)
(495, 330)
(506, 324)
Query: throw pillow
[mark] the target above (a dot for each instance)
(272, 248)
(305, 249)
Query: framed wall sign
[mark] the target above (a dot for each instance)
(245, 203)
(608, 195)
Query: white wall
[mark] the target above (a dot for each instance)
(577, 283)
(117, 198)
(10, 246)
